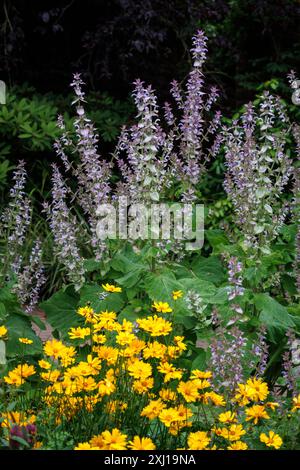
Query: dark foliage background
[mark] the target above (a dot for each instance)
(114, 41)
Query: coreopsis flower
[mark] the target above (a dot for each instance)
(99, 338)
(177, 294)
(79, 333)
(143, 385)
(141, 443)
(170, 372)
(213, 397)
(111, 288)
(271, 439)
(25, 341)
(114, 440)
(54, 348)
(238, 445)
(272, 404)
(85, 446)
(243, 394)
(256, 413)
(198, 440)
(179, 344)
(154, 350)
(85, 384)
(125, 338)
(51, 376)
(18, 375)
(107, 353)
(44, 364)
(10, 418)
(199, 374)
(162, 307)
(169, 416)
(3, 331)
(258, 390)
(167, 394)
(233, 433)
(87, 312)
(97, 441)
(139, 369)
(188, 390)
(296, 403)
(153, 409)
(227, 417)
(155, 325)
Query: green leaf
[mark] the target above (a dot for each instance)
(91, 293)
(160, 286)
(272, 313)
(210, 269)
(19, 326)
(61, 310)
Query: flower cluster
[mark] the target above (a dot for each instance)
(130, 388)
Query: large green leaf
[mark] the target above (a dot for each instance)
(19, 326)
(272, 313)
(160, 286)
(61, 311)
(91, 293)
(209, 269)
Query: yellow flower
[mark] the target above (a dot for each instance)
(16, 376)
(51, 376)
(85, 446)
(79, 333)
(169, 371)
(238, 445)
(114, 440)
(199, 374)
(153, 409)
(167, 394)
(155, 325)
(234, 432)
(141, 443)
(25, 340)
(169, 416)
(155, 350)
(256, 412)
(111, 288)
(272, 404)
(15, 417)
(243, 394)
(44, 364)
(97, 441)
(258, 390)
(188, 390)
(143, 385)
(198, 440)
(107, 353)
(177, 294)
(139, 369)
(85, 384)
(87, 312)
(215, 398)
(3, 331)
(227, 417)
(124, 338)
(99, 338)
(54, 348)
(162, 307)
(296, 403)
(271, 440)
